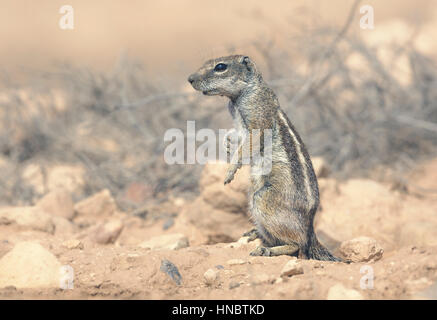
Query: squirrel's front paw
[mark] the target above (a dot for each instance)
(230, 141)
(261, 251)
(229, 177)
(252, 234)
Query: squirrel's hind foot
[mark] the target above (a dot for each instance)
(289, 249)
(261, 251)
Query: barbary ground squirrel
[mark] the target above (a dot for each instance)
(282, 202)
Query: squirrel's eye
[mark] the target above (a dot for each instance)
(220, 67)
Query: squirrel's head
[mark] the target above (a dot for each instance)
(225, 76)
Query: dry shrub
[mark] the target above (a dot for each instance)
(358, 116)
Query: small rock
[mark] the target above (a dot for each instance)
(169, 241)
(27, 217)
(33, 175)
(5, 247)
(98, 205)
(234, 262)
(171, 270)
(256, 243)
(339, 292)
(233, 285)
(279, 280)
(29, 265)
(231, 198)
(219, 266)
(168, 224)
(68, 177)
(108, 232)
(57, 203)
(362, 249)
(291, 268)
(243, 240)
(73, 244)
(210, 276)
(138, 192)
(63, 226)
(179, 202)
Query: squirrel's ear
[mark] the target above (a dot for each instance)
(248, 63)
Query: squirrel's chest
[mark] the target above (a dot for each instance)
(238, 120)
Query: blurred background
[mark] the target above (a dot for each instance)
(86, 109)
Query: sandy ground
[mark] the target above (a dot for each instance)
(123, 259)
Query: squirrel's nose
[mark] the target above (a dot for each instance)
(191, 79)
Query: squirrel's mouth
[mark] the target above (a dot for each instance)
(210, 92)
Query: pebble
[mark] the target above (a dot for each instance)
(108, 232)
(362, 249)
(30, 265)
(291, 268)
(171, 270)
(73, 244)
(210, 276)
(233, 262)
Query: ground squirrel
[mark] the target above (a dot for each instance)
(284, 201)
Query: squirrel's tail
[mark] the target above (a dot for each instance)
(317, 251)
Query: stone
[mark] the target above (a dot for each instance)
(168, 223)
(33, 175)
(57, 203)
(222, 197)
(138, 192)
(234, 262)
(179, 202)
(291, 268)
(207, 225)
(98, 205)
(68, 177)
(339, 292)
(63, 226)
(210, 277)
(29, 265)
(169, 241)
(279, 280)
(375, 215)
(361, 249)
(243, 240)
(73, 244)
(229, 198)
(171, 270)
(32, 218)
(108, 232)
